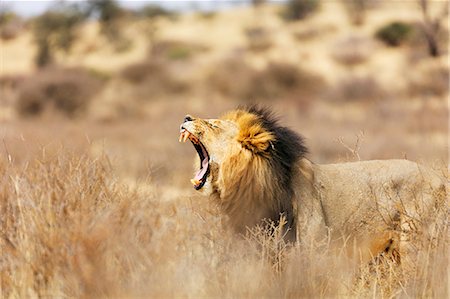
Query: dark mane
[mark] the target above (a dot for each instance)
(288, 146)
(285, 150)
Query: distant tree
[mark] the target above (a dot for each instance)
(55, 30)
(152, 11)
(299, 9)
(109, 15)
(357, 10)
(257, 3)
(432, 26)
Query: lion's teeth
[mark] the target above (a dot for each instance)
(186, 136)
(181, 137)
(195, 182)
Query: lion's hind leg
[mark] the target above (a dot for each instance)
(380, 271)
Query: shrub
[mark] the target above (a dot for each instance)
(257, 3)
(258, 39)
(299, 9)
(68, 91)
(10, 25)
(153, 78)
(152, 11)
(11, 30)
(275, 80)
(352, 51)
(207, 15)
(231, 77)
(6, 16)
(394, 34)
(175, 50)
(237, 79)
(139, 72)
(305, 34)
(357, 88)
(357, 9)
(431, 82)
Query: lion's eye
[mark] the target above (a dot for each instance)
(213, 125)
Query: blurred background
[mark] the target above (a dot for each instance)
(359, 79)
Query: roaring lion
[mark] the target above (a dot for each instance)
(256, 169)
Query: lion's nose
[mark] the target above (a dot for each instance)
(188, 118)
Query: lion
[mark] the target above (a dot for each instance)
(256, 170)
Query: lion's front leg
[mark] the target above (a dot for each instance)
(311, 226)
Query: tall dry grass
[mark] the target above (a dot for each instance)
(69, 228)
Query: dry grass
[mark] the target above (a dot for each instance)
(70, 229)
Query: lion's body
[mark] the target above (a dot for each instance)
(257, 170)
(369, 203)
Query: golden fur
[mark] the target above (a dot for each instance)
(258, 170)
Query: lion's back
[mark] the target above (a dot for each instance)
(376, 173)
(369, 192)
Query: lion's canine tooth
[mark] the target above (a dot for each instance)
(195, 182)
(182, 133)
(186, 136)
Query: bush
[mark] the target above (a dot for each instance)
(357, 88)
(357, 9)
(175, 50)
(206, 15)
(257, 3)
(237, 79)
(10, 25)
(152, 11)
(68, 91)
(431, 82)
(258, 39)
(352, 51)
(299, 9)
(394, 34)
(153, 78)
(231, 77)
(280, 79)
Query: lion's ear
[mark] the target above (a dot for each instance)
(254, 137)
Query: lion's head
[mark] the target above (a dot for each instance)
(246, 163)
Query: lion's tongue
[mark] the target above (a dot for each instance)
(203, 170)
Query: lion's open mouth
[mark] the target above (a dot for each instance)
(200, 177)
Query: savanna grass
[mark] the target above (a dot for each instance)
(69, 228)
